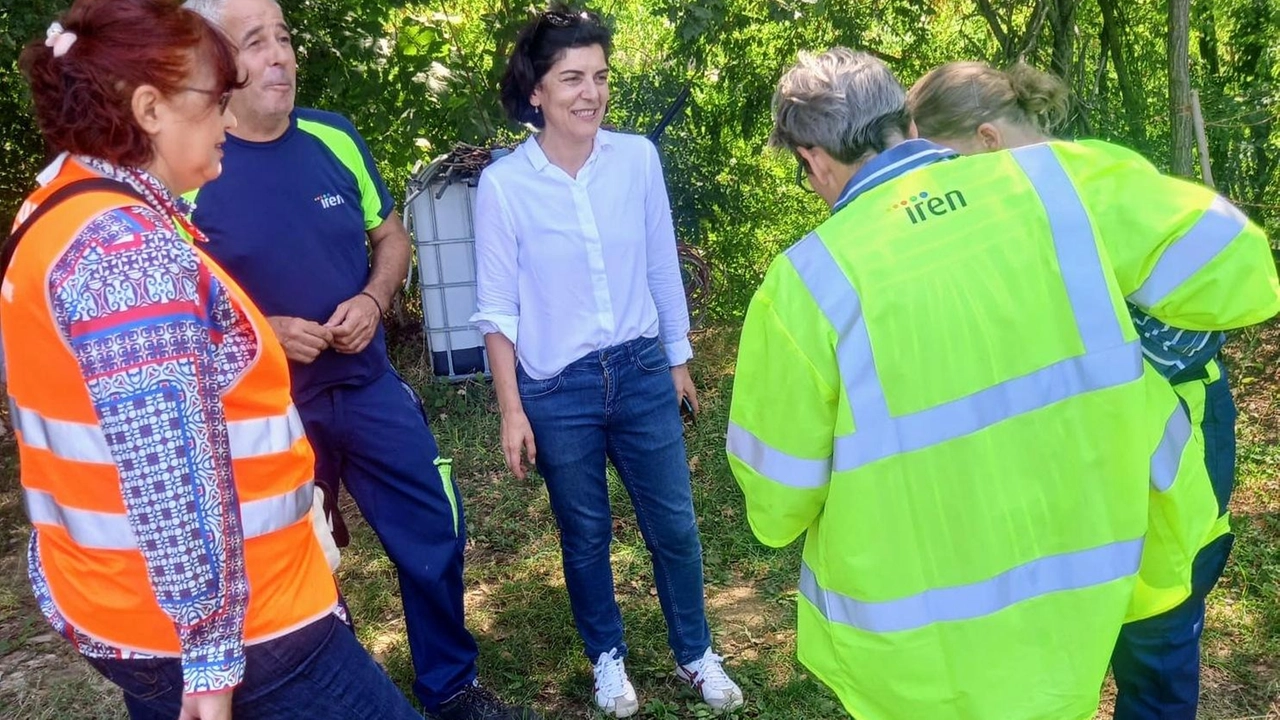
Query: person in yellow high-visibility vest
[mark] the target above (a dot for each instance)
(973, 108)
(942, 388)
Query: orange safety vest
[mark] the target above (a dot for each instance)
(96, 573)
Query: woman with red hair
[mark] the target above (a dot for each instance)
(164, 469)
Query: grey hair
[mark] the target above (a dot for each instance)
(210, 10)
(845, 102)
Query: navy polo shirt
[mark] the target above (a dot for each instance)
(288, 220)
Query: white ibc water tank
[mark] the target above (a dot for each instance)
(439, 210)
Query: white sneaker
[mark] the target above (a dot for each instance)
(614, 693)
(707, 676)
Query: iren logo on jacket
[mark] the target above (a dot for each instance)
(329, 200)
(922, 205)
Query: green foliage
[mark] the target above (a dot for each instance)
(21, 148)
(1239, 69)
(418, 77)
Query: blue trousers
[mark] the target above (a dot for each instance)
(319, 672)
(619, 403)
(376, 438)
(1156, 663)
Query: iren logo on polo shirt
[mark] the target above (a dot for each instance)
(922, 205)
(329, 200)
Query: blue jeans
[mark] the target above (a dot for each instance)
(319, 672)
(375, 438)
(1156, 662)
(619, 403)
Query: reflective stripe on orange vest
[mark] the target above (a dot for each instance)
(111, 531)
(84, 442)
(98, 576)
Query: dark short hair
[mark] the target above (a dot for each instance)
(541, 44)
(83, 100)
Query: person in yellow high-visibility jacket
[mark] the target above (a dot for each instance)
(973, 108)
(942, 387)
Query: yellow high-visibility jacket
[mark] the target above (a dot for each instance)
(942, 386)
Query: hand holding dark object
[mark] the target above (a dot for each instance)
(686, 392)
(686, 409)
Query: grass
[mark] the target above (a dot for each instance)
(519, 610)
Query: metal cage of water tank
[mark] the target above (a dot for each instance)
(440, 217)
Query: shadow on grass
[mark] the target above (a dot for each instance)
(1241, 648)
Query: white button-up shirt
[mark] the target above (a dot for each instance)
(567, 266)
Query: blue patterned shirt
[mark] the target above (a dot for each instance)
(1179, 355)
(158, 342)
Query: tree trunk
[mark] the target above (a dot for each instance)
(1251, 59)
(1062, 20)
(1130, 96)
(1265, 164)
(1207, 40)
(997, 28)
(1180, 86)
(1015, 44)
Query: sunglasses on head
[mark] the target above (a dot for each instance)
(564, 19)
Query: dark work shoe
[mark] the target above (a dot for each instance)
(478, 703)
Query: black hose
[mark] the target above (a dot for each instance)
(676, 106)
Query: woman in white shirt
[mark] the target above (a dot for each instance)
(586, 326)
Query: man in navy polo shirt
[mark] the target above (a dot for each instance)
(292, 218)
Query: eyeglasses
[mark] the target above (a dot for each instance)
(802, 174)
(223, 98)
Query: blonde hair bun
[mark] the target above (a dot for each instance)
(1043, 97)
(952, 100)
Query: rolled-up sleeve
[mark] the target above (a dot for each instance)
(497, 262)
(664, 266)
